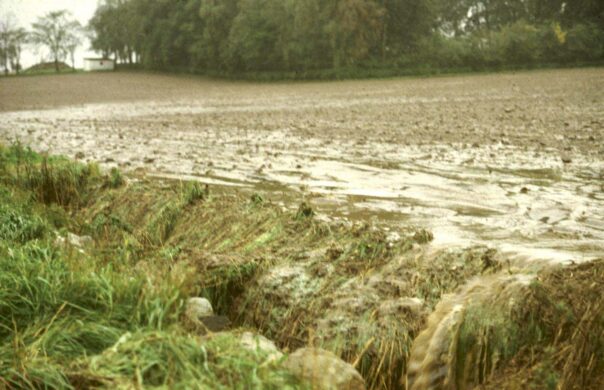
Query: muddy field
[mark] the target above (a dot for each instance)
(511, 160)
(431, 233)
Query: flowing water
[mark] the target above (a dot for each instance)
(513, 161)
(478, 160)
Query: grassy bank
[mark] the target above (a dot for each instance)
(78, 317)
(66, 308)
(344, 73)
(97, 268)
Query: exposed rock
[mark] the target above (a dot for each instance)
(199, 316)
(256, 342)
(324, 370)
(75, 240)
(197, 308)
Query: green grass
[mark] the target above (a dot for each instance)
(377, 71)
(71, 318)
(109, 315)
(45, 72)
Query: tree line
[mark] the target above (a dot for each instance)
(56, 32)
(235, 36)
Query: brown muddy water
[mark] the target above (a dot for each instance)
(514, 161)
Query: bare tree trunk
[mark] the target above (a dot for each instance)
(57, 65)
(18, 69)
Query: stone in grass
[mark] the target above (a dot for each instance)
(79, 241)
(75, 240)
(566, 159)
(197, 308)
(323, 370)
(259, 343)
(199, 315)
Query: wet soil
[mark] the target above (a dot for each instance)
(511, 160)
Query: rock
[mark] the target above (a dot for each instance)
(79, 241)
(566, 159)
(197, 308)
(75, 240)
(79, 155)
(259, 343)
(199, 316)
(323, 370)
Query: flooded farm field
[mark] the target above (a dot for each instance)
(514, 161)
(407, 233)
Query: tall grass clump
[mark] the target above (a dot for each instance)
(19, 225)
(75, 316)
(115, 178)
(177, 360)
(54, 309)
(49, 179)
(193, 192)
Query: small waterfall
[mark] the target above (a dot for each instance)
(434, 362)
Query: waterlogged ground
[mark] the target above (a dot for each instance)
(514, 161)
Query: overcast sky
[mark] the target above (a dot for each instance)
(26, 12)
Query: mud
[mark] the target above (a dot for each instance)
(513, 160)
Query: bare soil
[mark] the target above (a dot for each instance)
(513, 160)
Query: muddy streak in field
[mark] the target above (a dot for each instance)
(515, 161)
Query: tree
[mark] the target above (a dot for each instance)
(217, 16)
(231, 36)
(355, 30)
(18, 39)
(310, 47)
(406, 22)
(6, 32)
(259, 35)
(73, 41)
(58, 32)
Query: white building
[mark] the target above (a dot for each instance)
(92, 64)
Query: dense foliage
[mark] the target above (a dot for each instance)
(240, 36)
